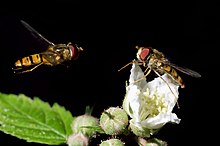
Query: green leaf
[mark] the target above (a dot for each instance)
(34, 120)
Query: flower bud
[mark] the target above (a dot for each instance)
(84, 123)
(152, 142)
(139, 130)
(114, 121)
(78, 140)
(112, 142)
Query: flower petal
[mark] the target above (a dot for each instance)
(131, 102)
(137, 74)
(160, 120)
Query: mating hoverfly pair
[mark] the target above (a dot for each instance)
(57, 54)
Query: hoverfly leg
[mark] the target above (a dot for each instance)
(18, 68)
(136, 62)
(148, 72)
(169, 88)
(125, 66)
(29, 70)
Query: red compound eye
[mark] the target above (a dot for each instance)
(144, 53)
(74, 51)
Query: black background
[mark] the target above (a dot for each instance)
(187, 33)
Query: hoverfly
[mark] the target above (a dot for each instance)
(152, 59)
(54, 55)
(155, 60)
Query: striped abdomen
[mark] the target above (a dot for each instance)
(172, 72)
(31, 60)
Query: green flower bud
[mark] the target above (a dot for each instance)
(139, 130)
(112, 142)
(78, 140)
(156, 142)
(114, 121)
(84, 124)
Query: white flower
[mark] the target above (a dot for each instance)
(150, 104)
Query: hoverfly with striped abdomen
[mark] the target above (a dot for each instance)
(55, 54)
(152, 59)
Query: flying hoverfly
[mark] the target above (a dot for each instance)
(152, 59)
(55, 54)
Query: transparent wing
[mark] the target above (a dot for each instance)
(50, 56)
(35, 33)
(184, 70)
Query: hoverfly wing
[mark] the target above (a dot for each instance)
(184, 70)
(35, 33)
(50, 57)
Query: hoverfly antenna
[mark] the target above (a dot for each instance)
(81, 49)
